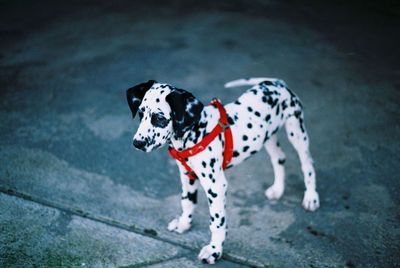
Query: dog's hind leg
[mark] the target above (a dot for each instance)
(297, 135)
(278, 159)
(188, 203)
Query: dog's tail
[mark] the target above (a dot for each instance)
(253, 81)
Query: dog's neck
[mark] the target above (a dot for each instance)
(208, 120)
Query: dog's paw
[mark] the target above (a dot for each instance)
(178, 226)
(311, 200)
(209, 254)
(274, 192)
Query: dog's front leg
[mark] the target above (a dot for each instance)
(215, 186)
(188, 202)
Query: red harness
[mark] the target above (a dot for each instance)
(222, 126)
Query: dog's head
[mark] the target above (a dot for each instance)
(164, 111)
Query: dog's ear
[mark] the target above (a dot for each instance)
(135, 95)
(185, 109)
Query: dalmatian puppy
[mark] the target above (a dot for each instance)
(173, 116)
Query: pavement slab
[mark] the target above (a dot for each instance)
(66, 130)
(33, 234)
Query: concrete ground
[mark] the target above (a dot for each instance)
(74, 192)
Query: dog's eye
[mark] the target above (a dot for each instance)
(158, 120)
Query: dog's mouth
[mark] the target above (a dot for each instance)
(157, 146)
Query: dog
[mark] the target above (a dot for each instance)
(173, 116)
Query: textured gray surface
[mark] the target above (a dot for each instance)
(37, 235)
(65, 131)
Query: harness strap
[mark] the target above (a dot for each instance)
(222, 126)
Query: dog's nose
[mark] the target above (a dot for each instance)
(139, 144)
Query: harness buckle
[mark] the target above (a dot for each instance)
(224, 126)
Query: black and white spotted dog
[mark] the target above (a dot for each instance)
(174, 116)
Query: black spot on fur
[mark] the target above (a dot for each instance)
(302, 125)
(257, 113)
(245, 148)
(249, 125)
(268, 93)
(281, 161)
(245, 138)
(230, 121)
(193, 197)
(268, 117)
(253, 152)
(266, 137)
(214, 195)
(268, 83)
(203, 124)
(203, 164)
(274, 103)
(212, 162)
(249, 109)
(264, 99)
(284, 105)
(235, 154)
(237, 102)
(222, 221)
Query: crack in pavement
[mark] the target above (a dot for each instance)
(120, 225)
